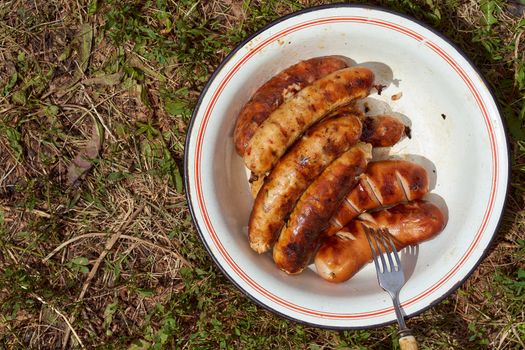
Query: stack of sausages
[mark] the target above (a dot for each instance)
(309, 150)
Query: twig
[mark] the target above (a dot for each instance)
(518, 337)
(12, 256)
(95, 116)
(32, 211)
(61, 315)
(153, 245)
(8, 173)
(12, 332)
(7, 109)
(99, 117)
(69, 241)
(109, 244)
(131, 238)
(516, 53)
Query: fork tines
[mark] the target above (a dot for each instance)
(382, 244)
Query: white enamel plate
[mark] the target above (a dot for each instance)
(457, 133)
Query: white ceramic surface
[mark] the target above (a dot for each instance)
(456, 131)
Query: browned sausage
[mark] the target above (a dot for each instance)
(382, 130)
(256, 181)
(286, 124)
(299, 238)
(384, 183)
(294, 173)
(279, 88)
(342, 255)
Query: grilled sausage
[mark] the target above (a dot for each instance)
(279, 88)
(286, 124)
(256, 181)
(384, 183)
(382, 130)
(299, 238)
(343, 254)
(294, 173)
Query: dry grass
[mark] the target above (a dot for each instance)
(113, 260)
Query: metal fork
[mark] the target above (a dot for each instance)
(390, 277)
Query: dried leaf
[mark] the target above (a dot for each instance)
(86, 41)
(84, 159)
(237, 10)
(65, 54)
(106, 80)
(142, 95)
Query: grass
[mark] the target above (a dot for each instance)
(108, 257)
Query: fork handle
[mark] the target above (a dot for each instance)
(408, 342)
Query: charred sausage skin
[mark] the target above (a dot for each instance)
(299, 238)
(288, 122)
(342, 255)
(382, 130)
(276, 90)
(294, 173)
(384, 183)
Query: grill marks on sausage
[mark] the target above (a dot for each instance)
(357, 83)
(293, 174)
(282, 129)
(417, 182)
(296, 115)
(275, 91)
(414, 181)
(386, 187)
(384, 183)
(338, 259)
(361, 197)
(300, 237)
(350, 205)
(334, 129)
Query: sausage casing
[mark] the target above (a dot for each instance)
(379, 131)
(382, 130)
(288, 122)
(279, 88)
(384, 183)
(294, 173)
(342, 255)
(300, 236)
(256, 182)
